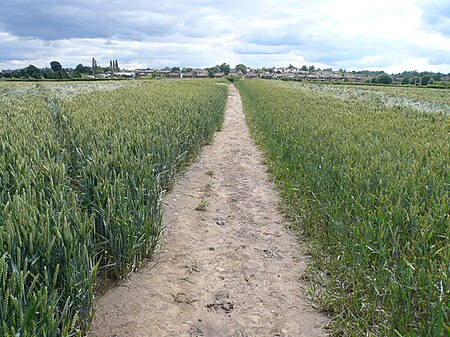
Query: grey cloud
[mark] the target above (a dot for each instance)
(436, 15)
(51, 20)
(437, 58)
(199, 33)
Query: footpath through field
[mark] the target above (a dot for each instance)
(227, 266)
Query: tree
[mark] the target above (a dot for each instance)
(415, 80)
(291, 66)
(47, 73)
(7, 74)
(56, 66)
(225, 68)
(215, 69)
(406, 80)
(32, 71)
(175, 69)
(426, 79)
(211, 73)
(269, 70)
(242, 68)
(81, 69)
(58, 70)
(94, 66)
(36, 75)
(311, 68)
(304, 68)
(384, 79)
(437, 76)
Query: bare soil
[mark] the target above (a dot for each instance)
(227, 264)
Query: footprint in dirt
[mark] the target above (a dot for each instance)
(196, 331)
(272, 253)
(221, 302)
(240, 333)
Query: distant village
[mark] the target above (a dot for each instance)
(308, 73)
(275, 73)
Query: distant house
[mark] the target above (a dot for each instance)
(325, 75)
(236, 72)
(103, 76)
(267, 75)
(7, 71)
(252, 74)
(279, 71)
(174, 75)
(188, 74)
(200, 73)
(218, 75)
(123, 74)
(312, 77)
(164, 72)
(144, 72)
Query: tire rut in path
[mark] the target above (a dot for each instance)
(227, 268)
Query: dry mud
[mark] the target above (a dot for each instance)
(227, 266)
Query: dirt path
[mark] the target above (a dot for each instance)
(227, 268)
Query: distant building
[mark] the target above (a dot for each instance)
(236, 72)
(144, 72)
(200, 73)
(124, 74)
(189, 74)
(252, 74)
(164, 72)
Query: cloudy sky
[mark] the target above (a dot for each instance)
(392, 35)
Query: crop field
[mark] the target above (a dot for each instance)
(365, 174)
(83, 168)
(421, 99)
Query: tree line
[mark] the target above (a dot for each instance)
(57, 72)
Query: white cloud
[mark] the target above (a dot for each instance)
(351, 34)
(417, 63)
